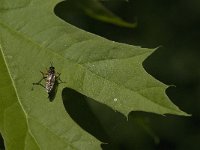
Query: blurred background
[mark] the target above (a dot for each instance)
(174, 27)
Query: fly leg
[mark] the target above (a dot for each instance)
(58, 78)
(39, 82)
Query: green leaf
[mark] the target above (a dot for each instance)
(13, 124)
(31, 36)
(27, 119)
(96, 10)
(32, 125)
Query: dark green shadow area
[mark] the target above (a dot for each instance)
(140, 131)
(107, 125)
(71, 12)
(2, 147)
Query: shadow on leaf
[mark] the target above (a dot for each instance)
(107, 125)
(1, 143)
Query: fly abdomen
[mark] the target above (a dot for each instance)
(50, 81)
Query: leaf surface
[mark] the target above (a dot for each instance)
(31, 36)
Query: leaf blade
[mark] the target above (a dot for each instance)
(30, 43)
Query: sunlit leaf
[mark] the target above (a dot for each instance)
(31, 37)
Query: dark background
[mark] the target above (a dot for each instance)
(172, 25)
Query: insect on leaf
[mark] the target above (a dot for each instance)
(106, 71)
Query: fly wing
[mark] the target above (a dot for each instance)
(50, 82)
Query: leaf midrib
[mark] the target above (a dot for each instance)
(17, 96)
(13, 83)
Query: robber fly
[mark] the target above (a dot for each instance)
(51, 78)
